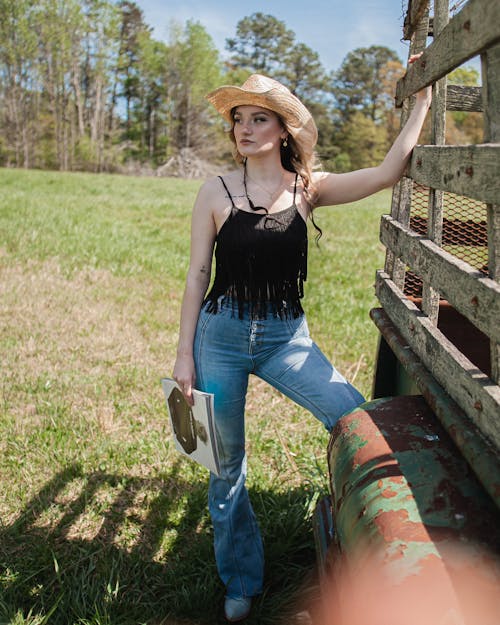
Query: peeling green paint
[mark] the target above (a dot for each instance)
(398, 484)
(415, 554)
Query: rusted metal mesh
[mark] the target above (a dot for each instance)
(464, 231)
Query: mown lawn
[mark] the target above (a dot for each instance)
(101, 521)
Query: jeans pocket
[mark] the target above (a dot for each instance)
(298, 327)
(203, 321)
(202, 324)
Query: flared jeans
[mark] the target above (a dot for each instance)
(280, 351)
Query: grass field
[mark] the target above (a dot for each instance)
(101, 521)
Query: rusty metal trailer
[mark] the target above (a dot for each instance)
(411, 530)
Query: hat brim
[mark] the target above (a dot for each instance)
(287, 106)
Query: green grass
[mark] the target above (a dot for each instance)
(101, 521)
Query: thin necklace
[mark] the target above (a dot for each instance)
(271, 195)
(251, 204)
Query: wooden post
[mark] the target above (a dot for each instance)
(430, 297)
(402, 192)
(491, 102)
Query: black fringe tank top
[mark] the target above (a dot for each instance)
(261, 261)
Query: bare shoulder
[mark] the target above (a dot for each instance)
(213, 203)
(209, 188)
(208, 198)
(213, 188)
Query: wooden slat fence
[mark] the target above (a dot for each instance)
(471, 171)
(468, 34)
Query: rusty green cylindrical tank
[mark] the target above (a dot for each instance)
(413, 526)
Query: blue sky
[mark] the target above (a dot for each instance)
(332, 28)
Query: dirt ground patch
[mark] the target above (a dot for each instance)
(78, 331)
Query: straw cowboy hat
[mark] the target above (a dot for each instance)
(260, 90)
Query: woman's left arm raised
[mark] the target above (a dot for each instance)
(354, 185)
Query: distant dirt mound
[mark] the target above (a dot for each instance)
(186, 164)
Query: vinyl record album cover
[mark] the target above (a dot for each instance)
(193, 426)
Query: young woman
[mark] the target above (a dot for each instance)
(252, 321)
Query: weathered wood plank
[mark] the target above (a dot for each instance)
(402, 192)
(490, 66)
(490, 62)
(464, 98)
(430, 296)
(470, 170)
(474, 391)
(468, 34)
(416, 10)
(400, 209)
(474, 295)
(493, 219)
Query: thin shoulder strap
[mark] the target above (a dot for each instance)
(295, 187)
(227, 191)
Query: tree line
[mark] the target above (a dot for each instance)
(84, 85)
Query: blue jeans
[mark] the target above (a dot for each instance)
(280, 351)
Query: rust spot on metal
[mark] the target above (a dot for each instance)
(394, 525)
(387, 493)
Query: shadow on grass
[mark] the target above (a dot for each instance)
(144, 556)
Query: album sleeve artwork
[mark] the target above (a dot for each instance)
(193, 426)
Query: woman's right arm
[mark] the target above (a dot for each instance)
(203, 233)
